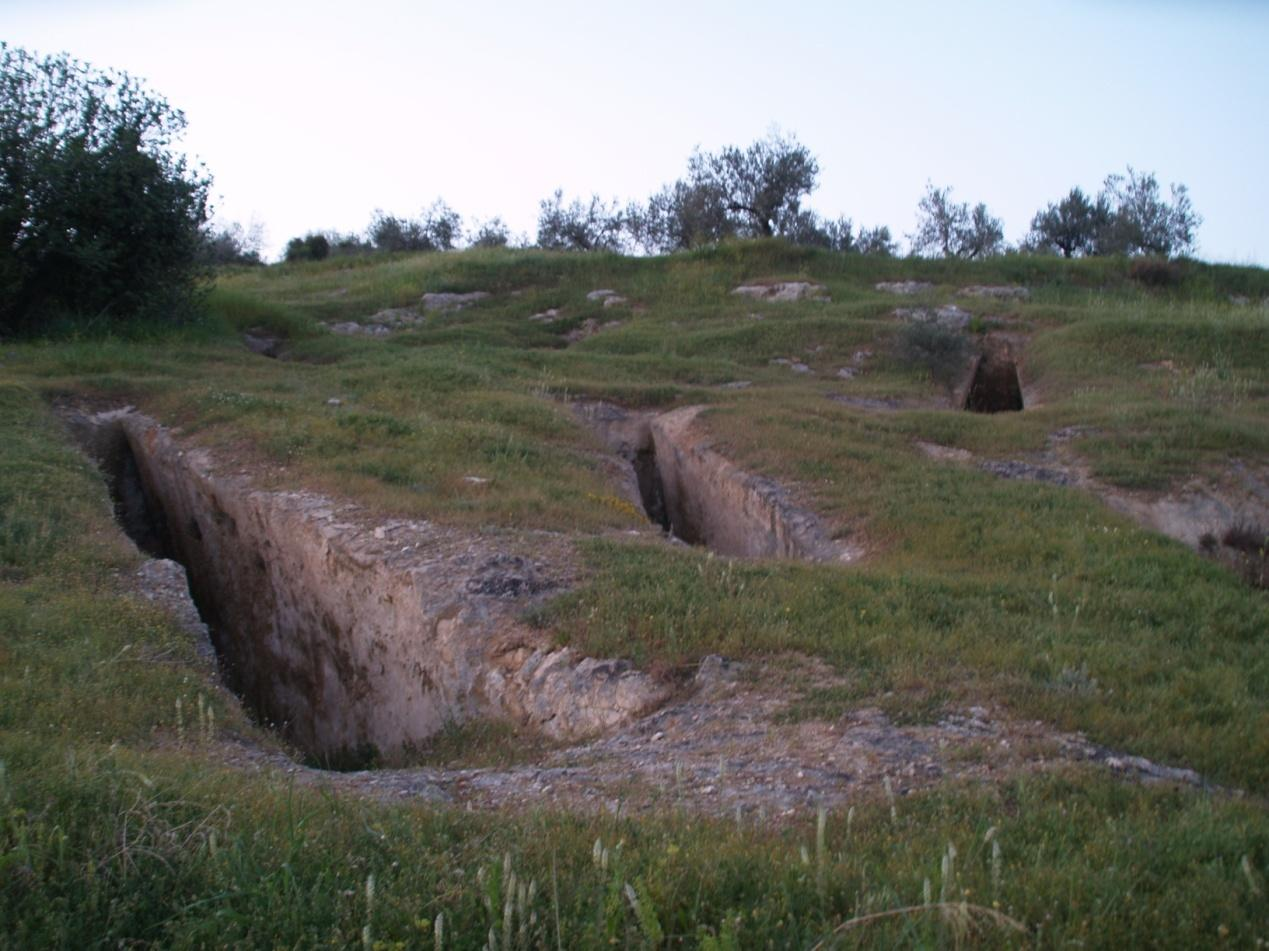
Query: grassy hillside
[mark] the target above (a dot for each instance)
(126, 818)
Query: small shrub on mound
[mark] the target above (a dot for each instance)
(1157, 272)
(311, 247)
(940, 351)
(1251, 542)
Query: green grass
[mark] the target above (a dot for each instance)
(121, 822)
(212, 859)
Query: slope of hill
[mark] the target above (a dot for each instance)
(572, 599)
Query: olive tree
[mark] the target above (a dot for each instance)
(590, 225)
(679, 217)
(948, 229)
(751, 192)
(1130, 216)
(1072, 227)
(760, 187)
(439, 228)
(100, 215)
(1142, 221)
(839, 234)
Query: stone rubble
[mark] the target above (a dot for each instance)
(350, 328)
(264, 342)
(450, 301)
(588, 328)
(996, 292)
(949, 317)
(904, 287)
(783, 291)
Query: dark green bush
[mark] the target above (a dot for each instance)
(99, 217)
(1156, 272)
(942, 352)
(311, 247)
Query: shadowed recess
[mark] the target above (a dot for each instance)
(995, 388)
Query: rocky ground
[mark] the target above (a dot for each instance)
(727, 747)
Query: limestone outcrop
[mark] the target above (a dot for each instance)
(783, 291)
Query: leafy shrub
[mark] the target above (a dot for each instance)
(942, 352)
(314, 246)
(811, 230)
(875, 241)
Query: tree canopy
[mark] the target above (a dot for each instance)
(952, 229)
(1129, 216)
(100, 216)
(589, 225)
(760, 187)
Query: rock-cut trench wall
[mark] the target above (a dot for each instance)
(700, 496)
(350, 637)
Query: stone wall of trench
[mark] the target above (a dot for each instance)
(714, 503)
(701, 496)
(348, 636)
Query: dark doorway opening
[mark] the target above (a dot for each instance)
(139, 515)
(651, 490)
(995, 388)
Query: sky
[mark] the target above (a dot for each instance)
(312, 115)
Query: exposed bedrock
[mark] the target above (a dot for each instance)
(697, 494)
(348, 633)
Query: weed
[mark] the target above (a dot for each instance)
(1211, 385)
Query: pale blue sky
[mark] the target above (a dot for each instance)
(311, 115)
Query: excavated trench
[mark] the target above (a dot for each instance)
(696, 495)
(357, 639)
